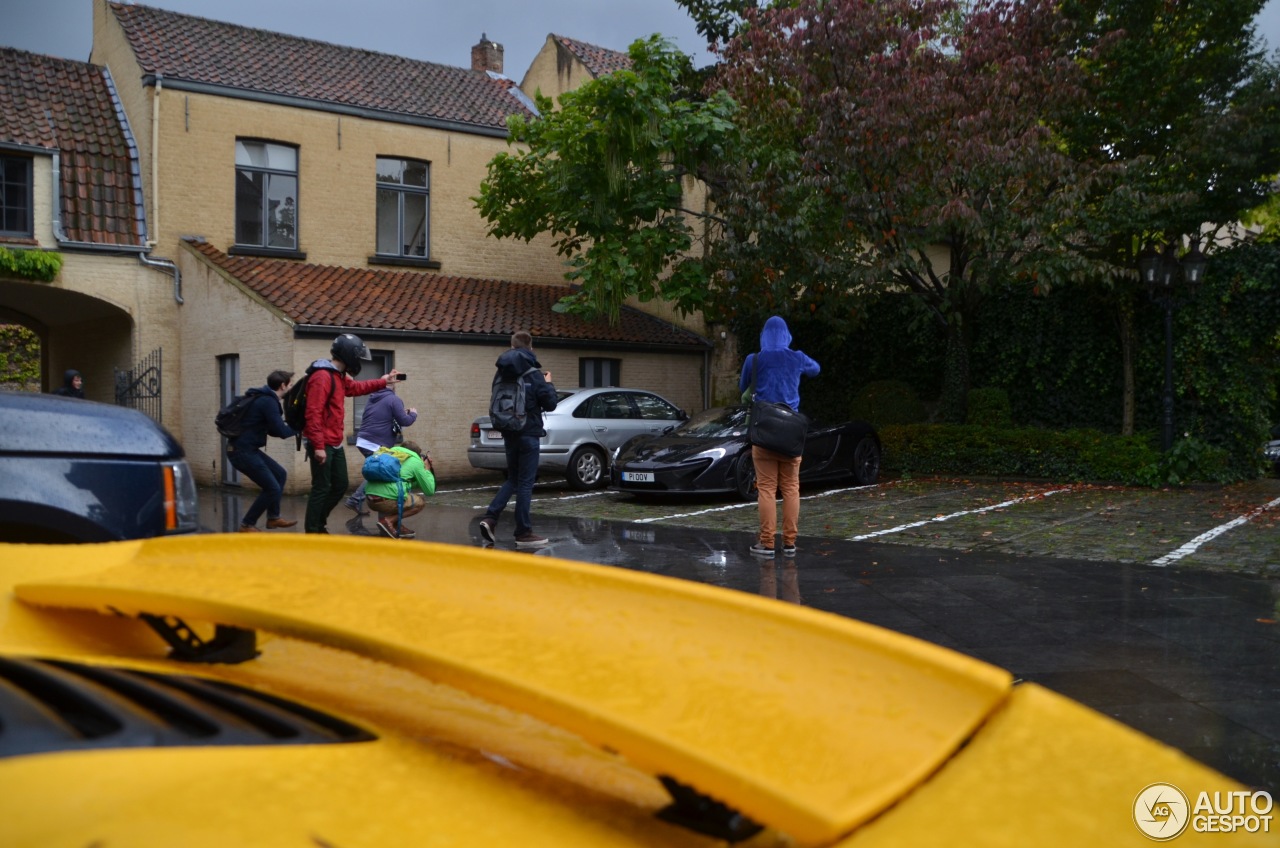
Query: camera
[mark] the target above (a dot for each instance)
(402, 376)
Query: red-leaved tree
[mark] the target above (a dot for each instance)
(905, 145)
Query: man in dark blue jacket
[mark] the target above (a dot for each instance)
(261, 419)
(522, 447)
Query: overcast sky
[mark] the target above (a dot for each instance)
(434, 30)
(440, 31)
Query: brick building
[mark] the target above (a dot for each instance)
(259, 193)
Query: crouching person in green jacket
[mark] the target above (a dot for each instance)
(419, 481)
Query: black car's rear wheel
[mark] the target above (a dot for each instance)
(586, 469)
(744, 477)
(866, 461)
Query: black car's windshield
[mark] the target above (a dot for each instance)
(717, 423)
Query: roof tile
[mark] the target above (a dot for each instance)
(70, 107)
(328, 295)
(198, 50)
(598, 60)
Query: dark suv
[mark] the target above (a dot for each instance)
(79, 471)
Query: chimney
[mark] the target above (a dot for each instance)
(486, 56)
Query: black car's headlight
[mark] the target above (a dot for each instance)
(181, 509)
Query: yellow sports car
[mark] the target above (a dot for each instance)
(343, 692)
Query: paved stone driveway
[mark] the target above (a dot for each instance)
(1218, 528)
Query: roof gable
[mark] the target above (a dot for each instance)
(598, 60)
(190, 49)
(427, 303)
(70, 107)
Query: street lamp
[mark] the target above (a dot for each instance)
(1161, 273)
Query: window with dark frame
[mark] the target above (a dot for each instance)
(266, 195)
(404, 207)
(16, 218)
(596, 372)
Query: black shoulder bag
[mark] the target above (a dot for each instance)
(775, 426)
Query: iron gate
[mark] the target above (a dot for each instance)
(139, 387)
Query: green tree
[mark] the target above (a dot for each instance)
(605, 175)
(1185, 103)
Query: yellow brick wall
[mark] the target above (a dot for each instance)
(554, 71)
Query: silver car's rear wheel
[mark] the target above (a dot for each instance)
(586, 469)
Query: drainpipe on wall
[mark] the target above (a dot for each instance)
(164, 264)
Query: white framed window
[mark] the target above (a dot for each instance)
(404, 207)
(266, 195)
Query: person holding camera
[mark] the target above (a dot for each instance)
(329, 383)
(381, 426)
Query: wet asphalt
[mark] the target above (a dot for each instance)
(1186, 655)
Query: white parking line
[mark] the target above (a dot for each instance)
(1194, 544)
(699, 512)
(902, 527)
(743, 505)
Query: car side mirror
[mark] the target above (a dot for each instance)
(684, 416)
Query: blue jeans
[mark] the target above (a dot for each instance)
(357, 497)
(522, 471)
(270, 477)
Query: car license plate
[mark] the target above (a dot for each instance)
(637, 476)
(494, 435)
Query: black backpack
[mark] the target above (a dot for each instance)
(230, 419)
(295, 401)
(507, 402)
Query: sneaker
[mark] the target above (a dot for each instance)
(356, 506)
(760, 550)
(406, 533)
(530, 540)
(486, 529)
(788, 550)
(249, 528)
(387, 529)
(277, 523)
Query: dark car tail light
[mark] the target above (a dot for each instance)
(475, 430)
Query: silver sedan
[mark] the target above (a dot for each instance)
(582, 433)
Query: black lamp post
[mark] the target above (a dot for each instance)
(1161, 273)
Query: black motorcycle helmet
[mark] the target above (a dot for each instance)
(349, 350)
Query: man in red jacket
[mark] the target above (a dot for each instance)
(329, 383)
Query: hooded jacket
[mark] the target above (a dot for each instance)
(66, 389)
(539, 397)
(778, 368)
(383, 408)
(327, 392)
(262, 418)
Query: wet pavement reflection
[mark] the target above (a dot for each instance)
(1191, 658)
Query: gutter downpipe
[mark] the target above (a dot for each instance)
(145, 259)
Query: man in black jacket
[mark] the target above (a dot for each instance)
(522, 447)
(261, 419)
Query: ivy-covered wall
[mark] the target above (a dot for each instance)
(1058, 357)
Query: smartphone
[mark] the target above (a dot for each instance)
(402, 376)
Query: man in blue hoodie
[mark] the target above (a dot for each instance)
(522, 447)
(262, 419)
(777, 370)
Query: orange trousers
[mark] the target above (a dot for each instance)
(777, 473)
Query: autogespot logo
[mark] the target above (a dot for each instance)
(1160, 811)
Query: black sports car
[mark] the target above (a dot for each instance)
(710, 453)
